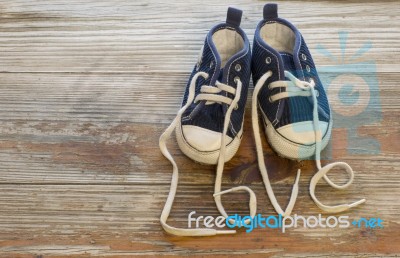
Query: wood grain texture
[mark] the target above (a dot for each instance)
(86, 89)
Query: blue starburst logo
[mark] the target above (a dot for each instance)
(353, 90)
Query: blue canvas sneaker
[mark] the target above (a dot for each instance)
(209, 125)
(292, 104)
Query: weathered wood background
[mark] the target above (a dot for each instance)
(86, 89)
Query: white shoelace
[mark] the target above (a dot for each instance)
(208, 94)
(295, 87)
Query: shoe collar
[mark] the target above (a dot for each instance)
(271, 16)
(217, 59)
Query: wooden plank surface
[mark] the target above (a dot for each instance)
(86, 89)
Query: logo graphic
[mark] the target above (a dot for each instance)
(353, 90)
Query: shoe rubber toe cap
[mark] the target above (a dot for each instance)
(302, 133)
(203, 140)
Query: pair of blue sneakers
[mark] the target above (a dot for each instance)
(288, 96)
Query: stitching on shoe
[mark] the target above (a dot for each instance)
(233, 129)
(297, 55)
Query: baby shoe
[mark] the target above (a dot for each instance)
(209, 125)
(293, 104)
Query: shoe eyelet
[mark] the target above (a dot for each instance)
(236, 107)
(268, 60)
(270, 100)
(308, 68)
(211, 64)
(304, 57)
(238, 67)
(236, 79)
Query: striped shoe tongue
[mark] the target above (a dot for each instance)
(221, 75)
(288, 63)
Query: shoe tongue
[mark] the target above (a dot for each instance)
(221, 72)
(288, 63)
(217, 72)
(220, 75)
(292, 61)
(223, 76)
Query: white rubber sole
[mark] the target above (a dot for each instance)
(208, 157)
(289, 149)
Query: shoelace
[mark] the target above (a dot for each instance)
(296, 87)
(208, 94)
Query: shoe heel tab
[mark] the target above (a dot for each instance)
(270, 11)
(234, 16)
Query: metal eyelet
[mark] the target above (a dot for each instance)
(268, 60)
(238, 67)
(308, 68)
(211, 64)
(304, 57)
(236, 79)
(236, 107)
(270, 100)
